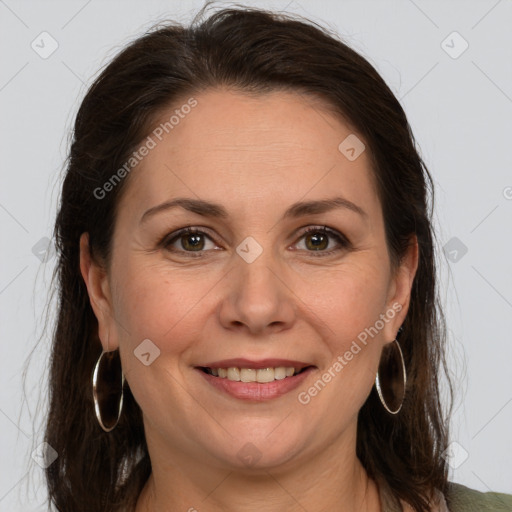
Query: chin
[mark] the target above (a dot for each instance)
(264, 449)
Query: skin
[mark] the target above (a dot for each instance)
(256, 156)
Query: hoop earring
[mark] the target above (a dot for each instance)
(106, 389)
(394, 396)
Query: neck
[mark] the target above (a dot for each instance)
(332, 479)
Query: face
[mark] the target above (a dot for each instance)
(250, 283)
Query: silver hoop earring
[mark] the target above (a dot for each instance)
(391, 389)
(107, 389)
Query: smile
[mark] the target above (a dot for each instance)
(254, 384)
(261, 375)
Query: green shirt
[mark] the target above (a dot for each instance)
(462, 499)
(458, 498)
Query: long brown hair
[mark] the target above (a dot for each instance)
(255, 51)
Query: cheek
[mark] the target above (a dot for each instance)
(351, 303)
(348, 299)
(156, 302)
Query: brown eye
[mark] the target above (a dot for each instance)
(192, 242)
(317, 239)
(188, 240)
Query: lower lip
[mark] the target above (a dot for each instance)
(256, 391)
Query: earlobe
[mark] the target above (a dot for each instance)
(95, 278)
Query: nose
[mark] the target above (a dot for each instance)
(258, 299)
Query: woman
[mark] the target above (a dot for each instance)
(248, 315)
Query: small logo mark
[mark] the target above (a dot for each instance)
(249, 249)
(351, 147)
(44, 249)
(146, 352)
(44, 455)
(455, 455)
(455, 249)
(249, 454)
(454, 45)
(44, 45)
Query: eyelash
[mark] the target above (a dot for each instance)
(168, 240)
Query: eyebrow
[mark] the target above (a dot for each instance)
(299, 209)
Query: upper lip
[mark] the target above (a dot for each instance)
(241, 362)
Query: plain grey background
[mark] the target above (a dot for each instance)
(450, 65)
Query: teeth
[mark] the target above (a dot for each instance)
(265, 375)
(254, 375)
(248, 375)
(279, 373)
(233, 374)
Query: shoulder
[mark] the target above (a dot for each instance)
(460, 498)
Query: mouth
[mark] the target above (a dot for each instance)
(261, 375)
(255, 381)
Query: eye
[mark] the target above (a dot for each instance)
(317, 238)
(189, 240)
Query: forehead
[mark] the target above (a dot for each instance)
(248, 150)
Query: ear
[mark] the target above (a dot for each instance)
(98, 288)
(400, 290)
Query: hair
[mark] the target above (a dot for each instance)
(256, 52)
